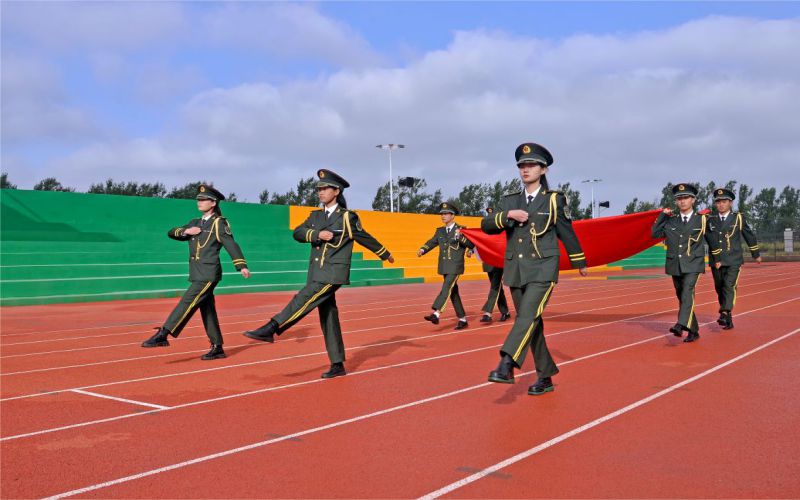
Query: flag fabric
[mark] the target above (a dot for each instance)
(603, 240)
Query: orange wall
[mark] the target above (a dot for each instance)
(403, 235)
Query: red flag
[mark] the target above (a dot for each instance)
(603, 240)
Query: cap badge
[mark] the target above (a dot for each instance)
(321, 174)
(719, 191)
(202, 189)
(681, 188)
(526, 149)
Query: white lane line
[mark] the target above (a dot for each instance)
(412, 404)
(470, 295)
(131, 401)
(594, 423)
(360, 372)
(477, 301)
(320, 428)
(136, 358)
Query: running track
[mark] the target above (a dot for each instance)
(636, 413)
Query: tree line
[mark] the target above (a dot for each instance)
(768, 211)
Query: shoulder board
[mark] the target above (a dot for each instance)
(515, 193)
(552, 191)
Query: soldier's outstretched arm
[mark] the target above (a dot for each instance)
(365, 239)
(566, 233)
(176, 233)
(658, 230)
(304, 233)
(225, 236)
(497, 222)
(750, 238)
(428, 245)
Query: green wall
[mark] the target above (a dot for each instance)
(75, 247)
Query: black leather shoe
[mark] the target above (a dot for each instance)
(505, 316)
(157, 340)
(264, 333)
(432, 318)
(692, 337)
(728, 321)
(486, 319)
(215, 352)
(461, 324)
(337, 370)
(504, 374)
(676, 329)
(722, 319)
(541, 386)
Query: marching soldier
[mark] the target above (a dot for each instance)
(727, 229)
(331, 233)
(683, 235)
(452, 246)
(206, 235)
(533, 221)
(497, 296)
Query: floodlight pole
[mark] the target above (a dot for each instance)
(390, 147)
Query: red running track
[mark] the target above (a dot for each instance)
(636, 413)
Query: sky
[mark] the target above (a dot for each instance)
(256, 95)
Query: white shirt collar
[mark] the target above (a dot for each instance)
(725, 214)
(331, 209)
(450, 226)
(206, 217)
(688, 215)
(534, 193)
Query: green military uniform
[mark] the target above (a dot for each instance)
(452, 246)
(205, 270)
(531, 261)
(328, 270)
(497, 296)
(685, 257)
(727, 234)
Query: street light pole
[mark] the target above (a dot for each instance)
(390, 147)
(591, 184)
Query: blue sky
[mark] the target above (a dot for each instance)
(255, 95)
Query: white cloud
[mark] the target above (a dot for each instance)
(34, 105)
(285, 30)
(716, 98)
(93, 25)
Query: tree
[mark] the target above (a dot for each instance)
(639, 206)
(743, 206)
(410, 199)
(574, 203)
(187, 191)
(155, 190)
(764, 211)
(51, 184)
(473, 199)
(4, 184)
(304, 195)
(263, 198)
(788, 209)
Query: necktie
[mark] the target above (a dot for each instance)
(448, 230)
(685, 219)
(530, 198)
(722, 219)
(328, 214)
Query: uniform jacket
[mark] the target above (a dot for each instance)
(728, 236)
(685, 249)
(330, 260)
(204, 248)
(532, 251)
(451, 249)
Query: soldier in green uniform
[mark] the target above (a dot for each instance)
(727, 229)
(452, 246)
(683, 235)
(533, 221)
(497, 296)
(331, 233)
(206, 236)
